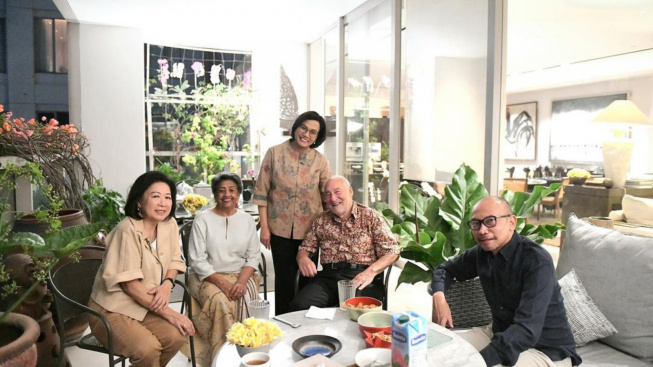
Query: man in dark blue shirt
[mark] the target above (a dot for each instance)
(529, 323)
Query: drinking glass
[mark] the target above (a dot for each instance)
(259, 309)
(346, 290)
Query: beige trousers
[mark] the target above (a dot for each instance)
(152, 342)
(481, 337)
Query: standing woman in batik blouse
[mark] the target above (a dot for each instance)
(289, 196)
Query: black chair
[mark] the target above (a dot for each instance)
(299, 278)
(468, 305)
(71, 284)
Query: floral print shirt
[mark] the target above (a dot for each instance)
(290, 185)
(360, 239)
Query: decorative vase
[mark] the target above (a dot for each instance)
(577, 181)
(18, 335)
(246, 350)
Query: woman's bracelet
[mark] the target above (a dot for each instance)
(171, 282)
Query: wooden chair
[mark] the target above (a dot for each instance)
(554, 201)
(515, 184)
(71, 284)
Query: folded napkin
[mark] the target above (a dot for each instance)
(320, 313)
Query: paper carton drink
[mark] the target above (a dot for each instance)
(409, 344)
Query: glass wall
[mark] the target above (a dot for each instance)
(367, 102)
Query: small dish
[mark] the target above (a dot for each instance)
(310, 345)
(379, 355)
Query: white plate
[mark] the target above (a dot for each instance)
(367, 356)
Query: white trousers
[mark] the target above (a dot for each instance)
(481, 337)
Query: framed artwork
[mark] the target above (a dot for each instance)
(521, 131)
(574, 138)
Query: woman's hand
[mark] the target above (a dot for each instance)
(237, 291)
(161, 295)
(265, 236)
(182, 323)
(224, 285)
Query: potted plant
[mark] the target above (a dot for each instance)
(103, 205)
(578, 176)
(25, 260)
(431, 231)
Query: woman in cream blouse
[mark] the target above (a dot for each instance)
(132, 287)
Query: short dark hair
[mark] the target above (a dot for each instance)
(223, 176)
(310, 115)
(142, 183)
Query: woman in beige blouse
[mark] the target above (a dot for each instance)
(289, 196)
(132, 287)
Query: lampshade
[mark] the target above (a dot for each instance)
(622, 112)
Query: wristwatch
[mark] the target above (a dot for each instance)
(171, 282)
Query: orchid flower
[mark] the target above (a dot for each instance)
(198, 69)
(178, 70)
(247, 79)
(230, 74)
(215, 74)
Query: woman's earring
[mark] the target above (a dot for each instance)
(138, 210)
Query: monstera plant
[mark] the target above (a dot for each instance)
(430, 231)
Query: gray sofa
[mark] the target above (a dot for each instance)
(616, 269)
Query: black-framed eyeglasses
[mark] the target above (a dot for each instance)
(489, 222)
(304, 130)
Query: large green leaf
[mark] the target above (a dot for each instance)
(465, 191)
(391, 217)
(67, 240)
(411, 196)
(523, 203)
(413, 274)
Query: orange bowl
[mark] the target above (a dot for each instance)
(372, 305)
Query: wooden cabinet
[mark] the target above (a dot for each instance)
(585, 201)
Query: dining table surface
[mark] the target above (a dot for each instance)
(450, 351)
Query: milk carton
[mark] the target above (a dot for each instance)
(409, 344)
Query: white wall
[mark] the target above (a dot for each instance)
(640, 91)
(107, 92)
(106, 99)
(446, 66)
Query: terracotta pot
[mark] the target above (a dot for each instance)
(18, 335)
(69, 218)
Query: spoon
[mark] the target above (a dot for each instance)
(286, 322)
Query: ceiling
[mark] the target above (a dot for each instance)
(550, 43)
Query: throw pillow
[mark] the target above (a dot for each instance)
(637, 210)
(586, 320)
(616, 271)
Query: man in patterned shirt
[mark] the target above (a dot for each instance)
(355, 243)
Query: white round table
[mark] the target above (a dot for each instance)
(454, 353)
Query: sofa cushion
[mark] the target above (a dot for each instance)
(616, 270)
(637, 210)
(597, 354)
(586, 320)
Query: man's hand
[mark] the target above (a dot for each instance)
(306, 266)
(442, 311)
(364, 278)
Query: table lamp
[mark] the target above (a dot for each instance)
(618, 151)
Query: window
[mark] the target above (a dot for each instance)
(50, 45)
(183, 83)
(62, 117)
(3, 46)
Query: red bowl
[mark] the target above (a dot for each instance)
(375, 322)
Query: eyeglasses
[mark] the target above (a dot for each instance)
(304, 130)
(489, 222)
